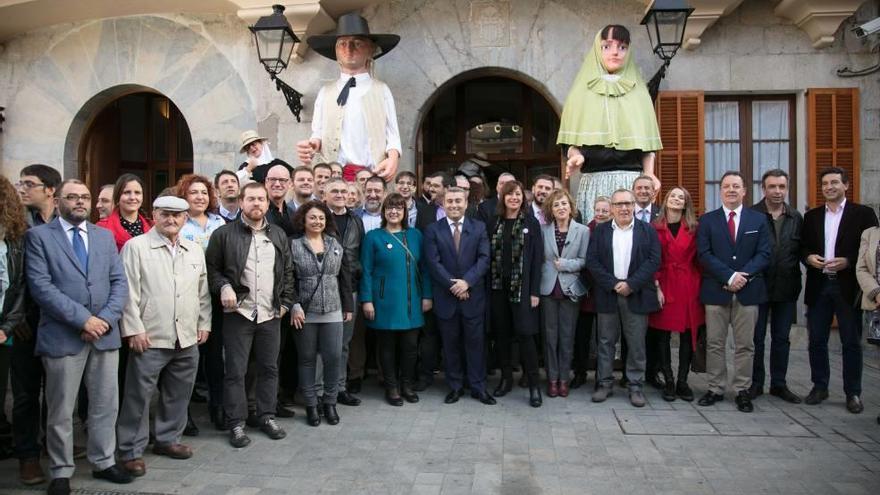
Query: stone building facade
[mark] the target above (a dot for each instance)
(55, 79)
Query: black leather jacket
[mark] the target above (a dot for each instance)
(227, 254)
(13, 300)
(783, 276)
(351, 243)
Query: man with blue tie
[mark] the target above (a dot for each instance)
(733, 245)
(76, 277)
(457, 253)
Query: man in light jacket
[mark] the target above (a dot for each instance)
(167, 314)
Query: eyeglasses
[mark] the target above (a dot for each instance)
(26, 184)
(396, 208)
(279, 180)
(73, 198)
(623, 204)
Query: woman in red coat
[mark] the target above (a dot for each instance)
(678, 288)
(126, 220)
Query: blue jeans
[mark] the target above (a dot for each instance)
(781, 316)
(849, 326)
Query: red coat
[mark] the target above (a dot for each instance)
(121, 235)
(679, 278)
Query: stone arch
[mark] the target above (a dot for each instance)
(99, 61)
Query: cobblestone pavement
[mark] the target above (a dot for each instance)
(568, 446)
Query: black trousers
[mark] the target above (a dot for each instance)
(429, 348)
(27, 375)
(583, 335)
(396, 372)
(660, 341)
(211, 355)
(503, 317)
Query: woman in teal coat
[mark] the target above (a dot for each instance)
(395, 290)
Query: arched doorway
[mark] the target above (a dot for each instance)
(142, 133)
(490, 111)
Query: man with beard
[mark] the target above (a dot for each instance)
(430, 187)
(374, 194)
(227, 186)
(541, 188)
(76, 277)
(350, 230)
(250, 268)
(166, 271)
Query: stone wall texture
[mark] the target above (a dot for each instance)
(53, 81)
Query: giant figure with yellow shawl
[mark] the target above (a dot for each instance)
(608, 122)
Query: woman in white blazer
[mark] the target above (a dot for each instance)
(565, 250)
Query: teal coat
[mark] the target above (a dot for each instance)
(391, 281)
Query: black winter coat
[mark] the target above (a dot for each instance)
(783, 276)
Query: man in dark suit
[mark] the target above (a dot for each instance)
(646, 211)
(624, 292)
(829, 246)
(457, 254)
(76, 277)
(733, 245)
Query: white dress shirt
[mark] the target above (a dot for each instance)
(832, 225)
(621, 247)
(81, 229)
(354, 144)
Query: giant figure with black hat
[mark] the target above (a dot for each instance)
(354, 122)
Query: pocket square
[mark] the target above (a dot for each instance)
(751, 232)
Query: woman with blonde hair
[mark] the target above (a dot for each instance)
(678, 288)
(565, 251)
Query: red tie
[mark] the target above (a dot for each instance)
(731, 226)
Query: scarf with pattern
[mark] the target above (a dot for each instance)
(517, 242)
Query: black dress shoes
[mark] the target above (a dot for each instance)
(654, 381)
(854, 404)
(330, 414)
(283, 412)
(191, 429)
(535, 399)
(392, 396)
(504, 386)
(484, 397)
(710, 399)
(353, 386)
(816, 396)
(312, 416)
(684, 392)
(59, 486)
(408, 394)
(423, 383)
(579, 379)
(756, 391)
(744, 401)
(785, 394)
(669, 391)
(453, 396)
(346, 399)
(114, 474)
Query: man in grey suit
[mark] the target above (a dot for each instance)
(76, 277)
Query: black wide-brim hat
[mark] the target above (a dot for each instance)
(351, 25)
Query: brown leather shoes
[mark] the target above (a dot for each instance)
(174, 451)
(30, 472)
(135, 467)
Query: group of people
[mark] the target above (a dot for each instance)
(269, 279)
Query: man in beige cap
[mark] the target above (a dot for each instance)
(168, 313)
(355, 122)
(259, 158)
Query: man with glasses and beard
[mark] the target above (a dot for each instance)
(77, 278)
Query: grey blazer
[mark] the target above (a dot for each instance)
(68, 293)
(572, 259)
(320, 290)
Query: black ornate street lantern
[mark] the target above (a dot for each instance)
(666, 21)
(275, 41)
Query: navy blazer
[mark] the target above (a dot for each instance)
(721, 257)
(644, 263)
(471, 264)
(67, 294)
